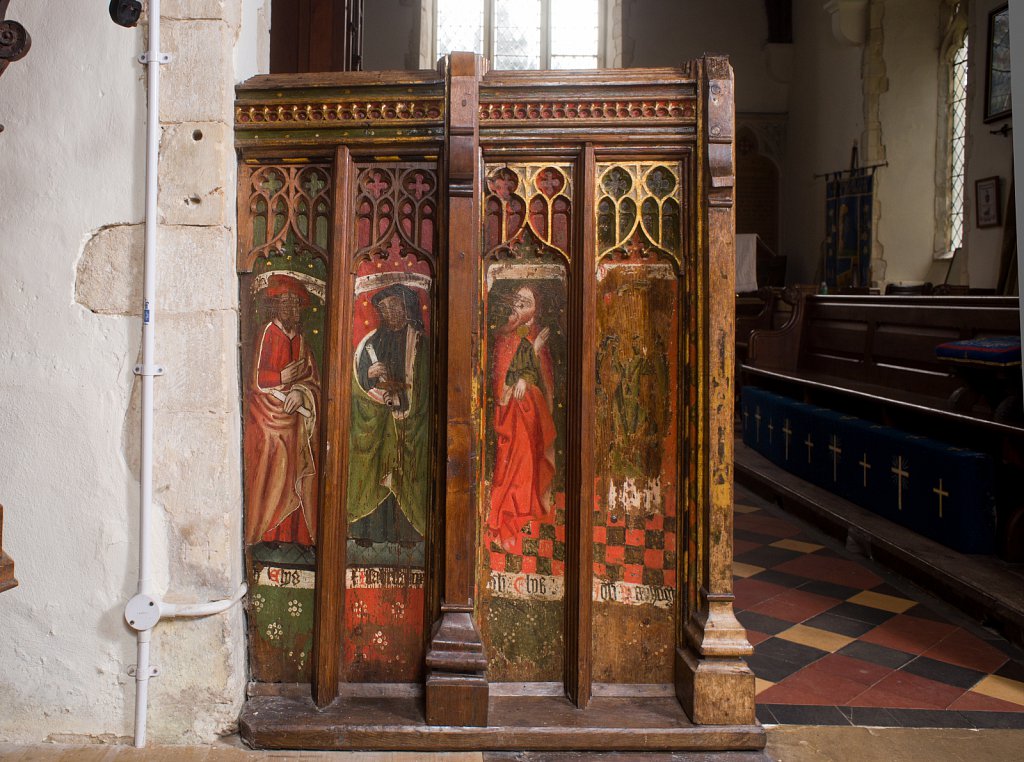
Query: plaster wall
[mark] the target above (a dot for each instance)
(907, 111)
(73, 158)
(987, 155)
(826, 115)
(668, 32)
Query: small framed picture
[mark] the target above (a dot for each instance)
(997, 68)
(986, 202)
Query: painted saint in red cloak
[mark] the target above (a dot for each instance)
(522, 385)
(281, 423)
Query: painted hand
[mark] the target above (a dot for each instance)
(293, 401)
(519, 391)
(293, 371)
(378, 370)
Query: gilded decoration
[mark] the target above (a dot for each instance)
(352, 111)
(683, 109)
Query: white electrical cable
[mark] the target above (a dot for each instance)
(145, 609)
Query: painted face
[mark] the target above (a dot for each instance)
(392, 312)
(524, 307)
(288, 311)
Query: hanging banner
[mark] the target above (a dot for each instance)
(848, 199)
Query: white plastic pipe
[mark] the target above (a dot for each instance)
(144, 611)
(142, 668)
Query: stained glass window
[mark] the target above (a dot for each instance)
(522, 34)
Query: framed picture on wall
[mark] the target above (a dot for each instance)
(997, 66)
(986, 202)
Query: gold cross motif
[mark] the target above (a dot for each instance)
(810, 446)
(866, 466)
(787, 431)
(771, 429)
(836, 452)
(941, 493)
(757, 417)
(901, 474)
(746, 417)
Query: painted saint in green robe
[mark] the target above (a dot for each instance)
(389, 448)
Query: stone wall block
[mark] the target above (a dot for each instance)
(198, 351)
(193, 10)
(195, 159)
(108, 280)
(194, 270)
(197, 84)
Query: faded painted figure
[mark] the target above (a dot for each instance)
(281, 423)
(522, 383)
(389, 452)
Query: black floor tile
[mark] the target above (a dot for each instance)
(940, 671)
(842, 625)
(886, 589)
(764, 715)
(869, 652)
(791, 581)
(929, 718)
(775, 659)
(869, 716)
(820, 587)
(861, 613)
(762, 622)
(1013, 670)
(767, 556)
(923, 612)
(795, 714)
(994, 720)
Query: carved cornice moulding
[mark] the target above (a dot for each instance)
(400, 112)
(678, 110)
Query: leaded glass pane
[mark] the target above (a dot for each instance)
(958, 108)
(574, 29)
(517, 34)
(460, 26)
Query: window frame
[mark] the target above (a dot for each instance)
(955, 38)
(609, 45)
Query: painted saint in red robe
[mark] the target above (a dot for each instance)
(522, 385)
(281, 423)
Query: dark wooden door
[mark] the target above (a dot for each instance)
(487, 417)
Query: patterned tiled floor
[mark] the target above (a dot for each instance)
(839, 641)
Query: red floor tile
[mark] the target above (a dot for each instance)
(739, 547)
(794, 605)
(763, 524)
(838, 571)
(811, 689)
(902, 690)
(908, 633)
(977, 702)
(966, 650)
(756, 637)
(749, 592)
(837, 666)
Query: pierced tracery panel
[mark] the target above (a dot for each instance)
(637, 455)
(390, 432)
(289, 208)
(527, 239)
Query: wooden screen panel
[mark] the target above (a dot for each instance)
(283, 302)
(637, 451)
(527, 219)
(390, 429)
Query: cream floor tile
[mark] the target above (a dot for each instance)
(883, 602)
(1002, 688)
(761, 685)
(745, 570)
(815, 638)
(797, 545)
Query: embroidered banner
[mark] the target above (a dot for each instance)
(848, 203)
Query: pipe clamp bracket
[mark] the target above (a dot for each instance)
(151, 370)
(150, 57)
(133, 671)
